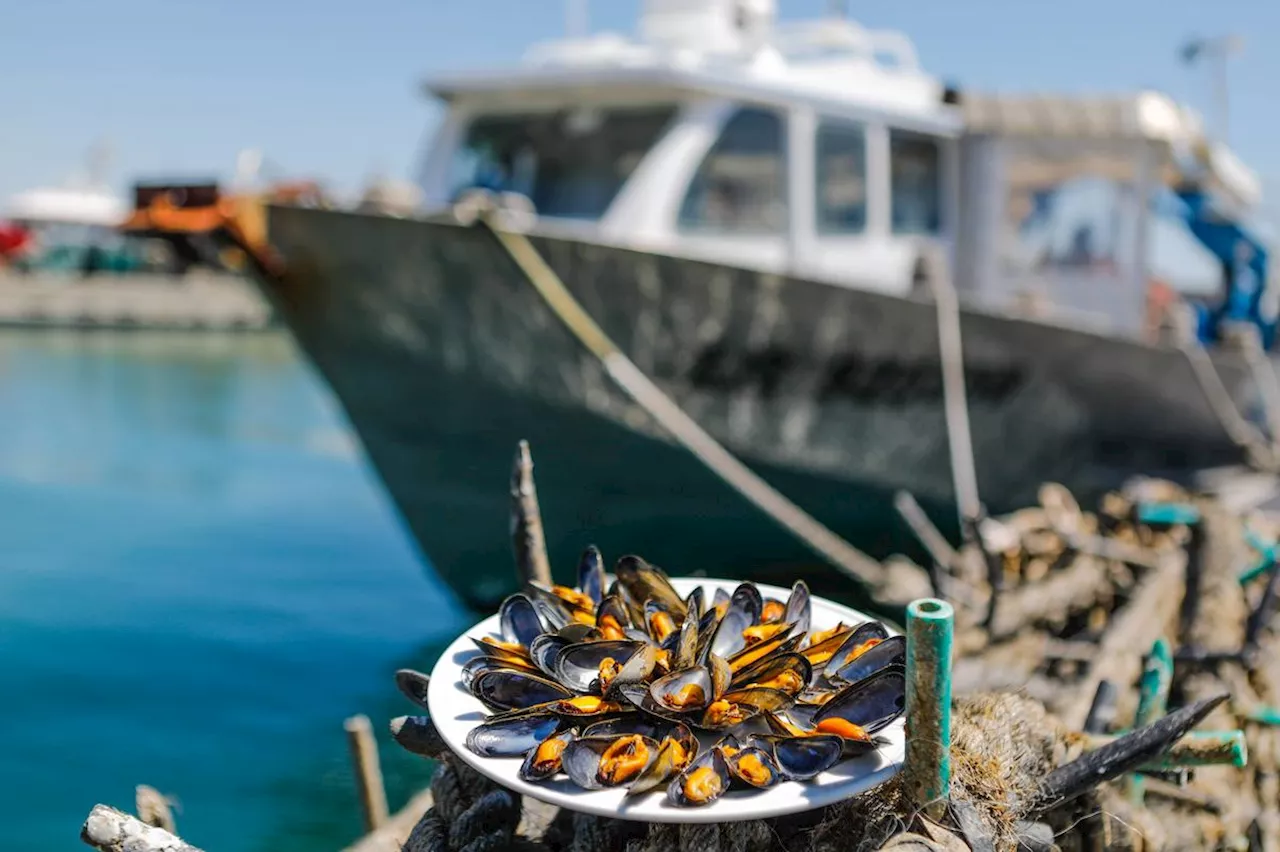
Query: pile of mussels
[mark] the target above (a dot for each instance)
(609, 685)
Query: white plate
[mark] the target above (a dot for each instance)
(456, 711)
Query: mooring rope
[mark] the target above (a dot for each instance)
(840, 553)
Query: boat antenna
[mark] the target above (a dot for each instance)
(576, 24)
(1216, 50)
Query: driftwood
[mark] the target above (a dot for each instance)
(116, 831)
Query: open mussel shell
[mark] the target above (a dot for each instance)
(519, 620)
(545, 652)
(742, 611)
(632, 723)
(890, 652)
(685, 649)
(789, 673)
(734, 708)
(591, 579)
(675, 752)
(543, 760)
(508, 689)
(701, 782)
(781, 642)
(511, 737)
(799, 608)
(696, 603)
(476, 666)
(862, 639)
(683, 691)
(802, 758)
(754, 766)
(641, 582)
(871, 703)
(612, 618)
(596, 762)
(578, 666)
(660, 621)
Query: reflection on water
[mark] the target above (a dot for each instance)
(199, 579)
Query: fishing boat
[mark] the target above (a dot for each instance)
(756, 213)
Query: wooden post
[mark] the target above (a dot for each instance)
(527, 537)
(367, 772)
(153, 808)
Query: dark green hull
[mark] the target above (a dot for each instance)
(444, 357)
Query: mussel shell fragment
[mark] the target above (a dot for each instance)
(508, 689)
(596, 762)
(543, 760)
(511, 737)
(701, 782)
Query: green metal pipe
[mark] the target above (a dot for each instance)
(1153, 700)
(1168, 513)
(1266, 557)
(1198, 748)
(927, 766)
(1264, 715)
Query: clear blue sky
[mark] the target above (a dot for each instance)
(329, 89)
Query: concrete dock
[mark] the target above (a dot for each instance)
(198, 300)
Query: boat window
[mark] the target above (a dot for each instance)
(571, 164)
(740, 187)
(840, 178)
(915, 183)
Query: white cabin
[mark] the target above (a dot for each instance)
(818, 148)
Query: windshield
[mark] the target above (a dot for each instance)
(571, 164)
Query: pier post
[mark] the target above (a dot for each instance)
(367, 771)
(527, 536)
(927, 765)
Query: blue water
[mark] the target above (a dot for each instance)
(200, 578)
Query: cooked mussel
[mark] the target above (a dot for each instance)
(592, 666)
(882, 655)
(543, 760)
(519, 620)
(799, 608)
(508, 689)
(869, 705)
(683, 691)
(545, 652)
(591, 577)
(701, 782)
(595, 762)
(641, 582)
(789, 673)
(511, 737)
(863, 638)
(753, 766)
(612, 618)
(675, 752)
(802, 758)
(741, 613)
(734, 708)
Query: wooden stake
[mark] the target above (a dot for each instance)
(367, 772)
(527, 537)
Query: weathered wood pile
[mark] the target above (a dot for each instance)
(1088, 645)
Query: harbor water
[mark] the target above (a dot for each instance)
(200, 578)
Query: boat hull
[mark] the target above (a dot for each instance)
(444, 356)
